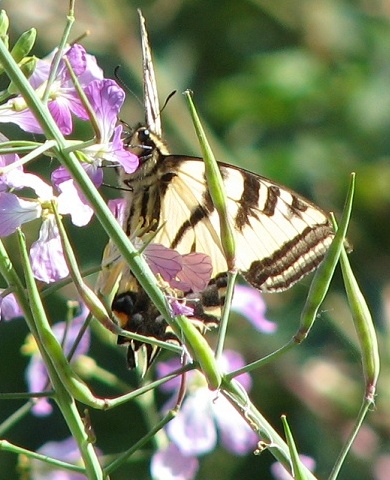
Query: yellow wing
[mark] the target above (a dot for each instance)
(280, 236)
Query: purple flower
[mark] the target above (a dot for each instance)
(106, 99)
(46, 254)
(71, 201)
(14, 212)
(162, 260)
(10, 179)
(36, 373)
(13, 177)
(195, 428)
(9, 307)
(65, 450)
(248, 302)
(170, 464)
(63, 97)
(195, 273)
(180, 307)
(190, 272)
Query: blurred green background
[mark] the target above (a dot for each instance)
(295, 90)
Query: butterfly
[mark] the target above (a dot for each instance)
(280, 236)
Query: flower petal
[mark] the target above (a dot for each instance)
(180, 308)
(193, 429)
(248, 302)
(163, 260)
(77, 58)
(119, 154)
(47, 257)
(40, 187)
(23, 118)
(72, 202)
(195, 273)
(7, 181)
(59, 109)
(106, 98)
(171, 464)
(235, 433)
(232, 360)
(9, 307)
(14, 212)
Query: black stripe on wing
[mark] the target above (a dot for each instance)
(292, 261)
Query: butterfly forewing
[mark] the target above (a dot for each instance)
(152, 105)
(280, 236)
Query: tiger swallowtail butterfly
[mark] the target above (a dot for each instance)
(280, 236)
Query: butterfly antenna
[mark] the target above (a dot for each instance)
(115, 187)
(167, 100)
(124, 85)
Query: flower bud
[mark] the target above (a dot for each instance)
(24, 45)
(4, 23)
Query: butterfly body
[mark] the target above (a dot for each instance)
(136, 313)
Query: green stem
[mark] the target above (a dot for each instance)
(61, 48)
(9, 447)
(269, 437)
(55, 362)
(222, 331)
(348, 444)
(216, 187)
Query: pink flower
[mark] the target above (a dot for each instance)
(63, 97)
(9, 307)
(190, 272)
(106, 99)
(249, 302)
(46, 253)
(203, 417)
(170, 464)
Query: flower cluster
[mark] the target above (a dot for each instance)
(105, 98)
(205, 416)
(202, 417)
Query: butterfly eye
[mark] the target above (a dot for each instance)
(144, 136)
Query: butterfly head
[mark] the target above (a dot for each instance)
(145, 144)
